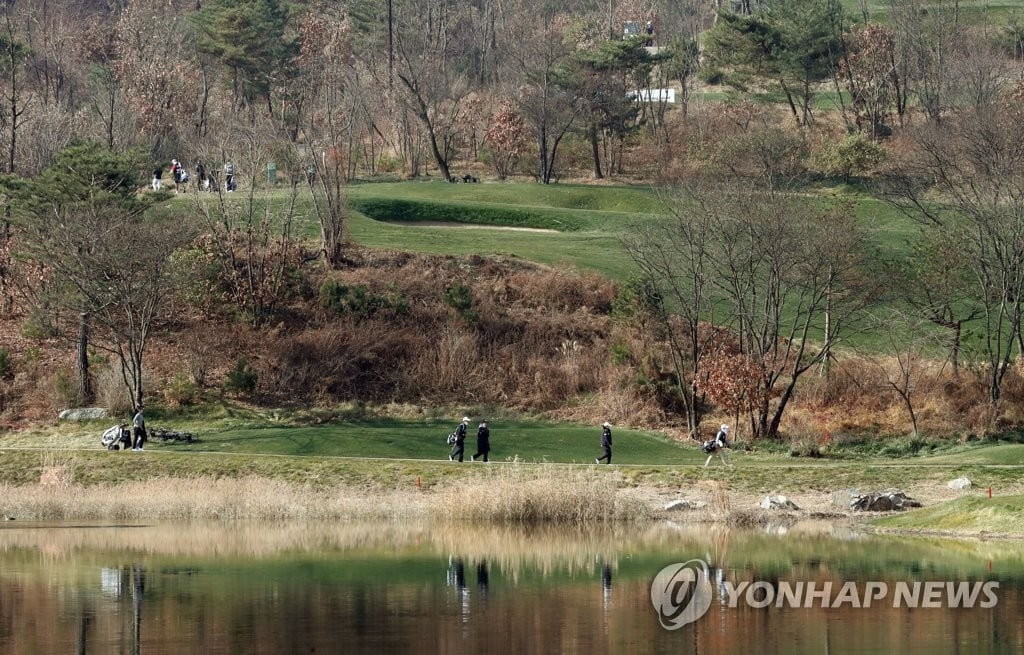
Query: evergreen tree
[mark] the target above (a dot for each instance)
(794, 42)
(252, 38)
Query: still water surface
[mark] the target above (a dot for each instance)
(416, 588)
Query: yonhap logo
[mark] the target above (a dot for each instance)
(681, 593)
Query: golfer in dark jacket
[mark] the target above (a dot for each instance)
(460, 440)
(606, 443)
(483, 441)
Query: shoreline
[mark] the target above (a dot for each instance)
(537, 501)
(87, 485)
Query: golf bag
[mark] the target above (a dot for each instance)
(119, 436)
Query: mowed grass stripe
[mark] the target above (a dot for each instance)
(528, 442)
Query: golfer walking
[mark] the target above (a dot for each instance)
(719, 445)
(606, 443)
(460, 441)
(138, 429)
(483, 441)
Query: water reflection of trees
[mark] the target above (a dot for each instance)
(282, 591)
(542, 549)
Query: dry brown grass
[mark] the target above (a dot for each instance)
(196, 498)
(505, 494)
(58, 470)
(512, 495)
(110, 391)
(718, 501)
(541, 341)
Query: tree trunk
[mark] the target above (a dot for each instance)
(391, 45)
(789, 100)
(84, 381)
(595, 150)
(954, 349)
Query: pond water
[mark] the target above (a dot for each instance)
(418, 588)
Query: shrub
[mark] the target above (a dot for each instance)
(197, 274)
(111, 392)
(768, 153)
(64, 389)
(711, 75)
(358, 301)
(854, 154)
(241, 378)
(388, 164)
(38, 326)
(5, 363)
(368, 360)
(621, 353)
(181, 391)
(460, 298)
(199, 359)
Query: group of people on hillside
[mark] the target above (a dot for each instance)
(457, 440)
(205, 181)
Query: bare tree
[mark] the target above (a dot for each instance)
(114, 266)
(872, 76)
(325, 57)
(546, 103)
(909, 359)
(249, 233)
(427, 65)
(963, 180)
(785, 277)
(793, 275)
(936, 282)
(674, 257)
(154, 73)
(13, 55)
(926, 35)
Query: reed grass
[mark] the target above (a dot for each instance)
(512, 494)
(200, 498)
(509, 494)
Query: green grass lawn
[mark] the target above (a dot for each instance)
(994, 455)
(588, 222)
(968, 514)
(974, 12)
(404, 439)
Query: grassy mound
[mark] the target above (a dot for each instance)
(968, 515)
(412, 211)
(995, 455)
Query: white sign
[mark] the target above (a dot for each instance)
(653, 95)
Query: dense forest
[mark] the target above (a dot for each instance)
(765, 293)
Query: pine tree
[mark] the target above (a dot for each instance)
(252, 38)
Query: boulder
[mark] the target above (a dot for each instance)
(844, 497)
(83, 414)
(884, 501)
(777, 502)
(682, 504)
(959, 483)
